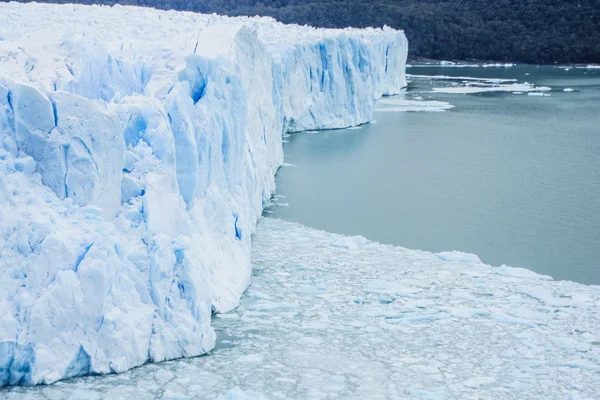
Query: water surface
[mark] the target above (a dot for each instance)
(513, 178)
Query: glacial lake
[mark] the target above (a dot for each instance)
(498, 161)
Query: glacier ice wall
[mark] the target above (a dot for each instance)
(137, 148)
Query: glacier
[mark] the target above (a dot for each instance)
(137, 148)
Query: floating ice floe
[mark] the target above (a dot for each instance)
(482, 85)
(539, 94)
(568, 90)
(483, 88)
(498, 65)
(450, 64)
(461, 78)
(402, 104)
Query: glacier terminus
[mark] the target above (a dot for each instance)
(137, 148)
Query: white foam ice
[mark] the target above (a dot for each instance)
(451, 64)
(483, 88)
(498, 65)
(460, 78)
(137, 149)
(373, 321)
(539, 94)
(458, 257)
(402, 104)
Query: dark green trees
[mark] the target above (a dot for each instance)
(533, 31)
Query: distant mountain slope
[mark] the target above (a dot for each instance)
(533, 31)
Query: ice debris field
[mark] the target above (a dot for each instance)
(328, 316)
(471, 85)
(137, 148)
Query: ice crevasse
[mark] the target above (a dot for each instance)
(137, 148)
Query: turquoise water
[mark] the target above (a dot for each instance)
(510, 177)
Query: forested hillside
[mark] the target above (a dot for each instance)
(533, 31)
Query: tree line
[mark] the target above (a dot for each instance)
(530, 31)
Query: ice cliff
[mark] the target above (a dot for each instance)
(137, 148)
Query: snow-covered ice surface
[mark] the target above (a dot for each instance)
(328, 316)
(137, 148)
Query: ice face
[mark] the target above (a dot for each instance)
(137, 148)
